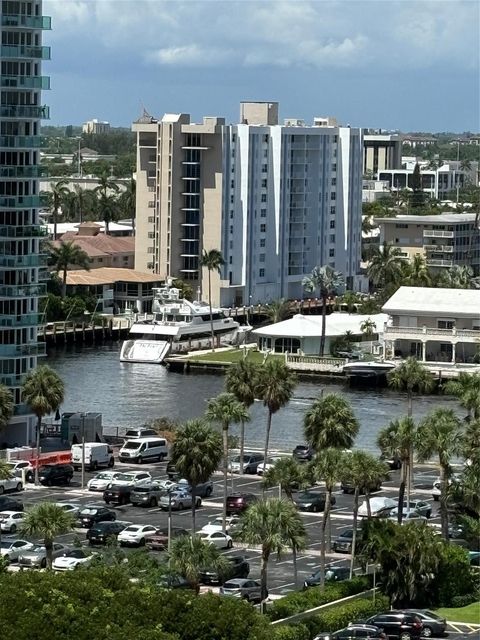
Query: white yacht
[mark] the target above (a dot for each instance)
(176, 325)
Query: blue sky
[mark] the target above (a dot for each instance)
(412, 65)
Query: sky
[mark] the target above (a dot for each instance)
(412, 65)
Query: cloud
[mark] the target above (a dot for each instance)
(191, 55)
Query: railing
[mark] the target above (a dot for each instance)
(22, 172)
(12, 380)
(24, 320)
(32, 22)
(18, 262)
(432, 331)
(23, 291)
(432, 233)
(19, 202)
(18, 350)
(314, 363)
(445, 248)
(27, 231)
(25, 111)
(439, 263)
(22, 142)
(25, 82)
(41, 53)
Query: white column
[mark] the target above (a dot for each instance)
(453, 352)
(424, 351)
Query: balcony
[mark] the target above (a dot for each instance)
(22, 142)
(426, 333)
(22, 262)
(25, 82)
(28, 231)
(23, 291)
(445, 248)
(22, 172)
(436, 233)
(19, 350)
(27, 22)
(24, 320)
(19, 202)
(22, 410)
(12, 380)
(34, 53)
(25, 112)
(439, 263)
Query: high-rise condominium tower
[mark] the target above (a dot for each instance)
(21, 84)
(277, 200)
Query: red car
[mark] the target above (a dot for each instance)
(238, 502)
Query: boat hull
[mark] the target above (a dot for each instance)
(146, 351)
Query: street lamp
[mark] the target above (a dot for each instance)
(83, 450)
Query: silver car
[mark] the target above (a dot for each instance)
(179, 500)
(244, 588)
(37, 557)
(12, 549)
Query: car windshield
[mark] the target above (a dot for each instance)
(132, 528)
(308, 496)
(231, 585)
(76, 553)
(125, 477)
(145, 489)
(88, 511)
(105, 476)
(131, 445)
(38, 549)
(5, 544)
(347, 534)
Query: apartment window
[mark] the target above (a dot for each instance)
(334, 166)
(230, 260)
(150, 250)
(333, 210)
(151, 219)
(263, 228)
(332, 237)
(331, 253)
(333, 196)
(261, 273)
(264, 183)
(264, 168)
(151, 234)
(232, 199)
(231, 214)
(263, 213)
(231, 228)
(232, 184)
(149, 265)
(265, 137)
(265, 153)
(263, 198)
(230, 244)
(334, 182)
(445, 324)
(234, 137)
(262, 242)
(332, 224)
(261, 257)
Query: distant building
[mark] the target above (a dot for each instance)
(444, 240)
(437, 183)
(115, 229)
(380, 152)
(96, 126)
(418, 141)
(374, 190)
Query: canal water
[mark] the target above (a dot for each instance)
(132, 394)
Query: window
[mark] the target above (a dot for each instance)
(230, 260)
(232, 199)
(333, 196)
(334, 182)
(263, 198)
(261, 273)
(231, 228)
(265, 137)
(332, 224)
(263, 228)
(333, 210)
(263, 213)
(262, 242)
(264, 183)
(334, 166)
(231, 214)
(445, 324)
(261, 257)
(331, 253)
(264, 168)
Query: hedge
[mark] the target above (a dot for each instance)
(314, 597)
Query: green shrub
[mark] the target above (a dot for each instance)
(291, 632)
(453, 577)
(315, 597)
(458, 602)
(340, 616)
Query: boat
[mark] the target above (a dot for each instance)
(175, 326)
(368, 369)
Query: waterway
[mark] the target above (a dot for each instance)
(132, 394)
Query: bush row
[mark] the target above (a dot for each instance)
(314, 597)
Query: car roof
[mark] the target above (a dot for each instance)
(239, 581)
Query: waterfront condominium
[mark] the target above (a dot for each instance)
(276, 199)
(21, 84)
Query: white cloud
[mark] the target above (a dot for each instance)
(190, 55)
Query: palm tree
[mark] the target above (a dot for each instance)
(7, 406)
(330, 422)
(66, 255)
(241, 380)
(47, 520)
(411, 375)
(418, 273)
(275, 386)
(128, 200)
(225, 409)
(467, 389)
(275, 525)
(328, 465)
(196, 453)
(465, 165)
(57, 196)
(189, 555)
(328, 282)
(362, 470)
(107, 202)
(80, 200)
(457, 277)
(386, 266)
(398, 439)
(368, 328)
(440, 434)
(288, 474)
(212, 261)
(278, 310)
(43, 391)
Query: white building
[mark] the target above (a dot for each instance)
(96, 126)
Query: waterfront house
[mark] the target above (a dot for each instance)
(434, 325)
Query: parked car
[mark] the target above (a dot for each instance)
(474, 557)
(437, 485)
(179, 500)
(217, 524)
(117, 494)
(238, 567)
(142, 432)
(18, 466)
(409, 515)
(172, 470)
(166, 485)
(303, 453)
(10, 521)
(37, 557)
(133, 478)
(251, 462)
(343, 543)
(268, 464)
(366, 631)
(68, 507)
(203, 489)
(433, 625)
(11, 484)
(88, 516)
(49, 474)
(332, 574)
(218, 539)
(310, 501)
(404, 626)
(348, 487)
(420, 506)
(158, 541)
(101, 532)
(146, 495)
(97, 454)
(70, 560)
(10, 504)
(174, 581)
(244, 588)
(394, 461)
(135, 535)
(11, 549)
(138, 450)
(379, 507)
(239, 502)
(101, 481)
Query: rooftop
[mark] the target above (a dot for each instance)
(441, 218)
(301, 326)
(434, 301)
(109, 275)
(101, 244)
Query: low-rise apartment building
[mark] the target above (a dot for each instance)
(434, 325)
(444, 240)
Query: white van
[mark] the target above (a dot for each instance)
(142, 432)
(142, 449)
(97, 454)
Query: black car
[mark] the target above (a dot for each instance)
(433, 625)
(303, 453)
(172, 472)
(117, 493)
(101, 532)
(310, 501)
(343, 544)
(393, 461)
(88, 516)
(366, 631)
(403, 626)
(332, 574)
(238, 502)
(10, 504)
(49, 474)
(348, 487)
(174, 581)
(238, 567)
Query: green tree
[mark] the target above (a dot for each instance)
(241, 380)
(330, 422)
(398, 439)
(275, 525)
(212, 261)
(196, 454)
(185, 288)
(278, 310)
(43, 391)
(189, 555)
(107, 206)
(457, 277)
(327, 282)
(368, 328)
(466, 387)
(275, 386)
(440, 434)
(386, 266)
(418, 274)
(48, 521)
(57, 197)
(66, 255)
(417, 198)
(6, 406)
(410, 376)
(127, 201)
(226, 409)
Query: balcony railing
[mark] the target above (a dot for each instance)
(431, 331)
(25, 82)
(439, 263)
(19, 202)
(22, 172)
(12, 380)
(24, 111)
(23, 291)
(35, 53)
(20, 262)
(28, 231)
(445, 248)
(22, 142)
(24, 320)
(18, 350)
(436, 233)
(28, 22)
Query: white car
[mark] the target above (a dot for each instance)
(378, 507)
(17, 466)
(409, 515)
(217, 524)
(13, 483)
(437, 485)
(101, 481)
(10, 521)
(166, 485)
(133, 478)
(219, 539)
(135, 534)
(269, 464)
(72, 559)
(68, 507)
(11, 549)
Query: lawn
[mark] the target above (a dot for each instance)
(232, 356)
(469, 614)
